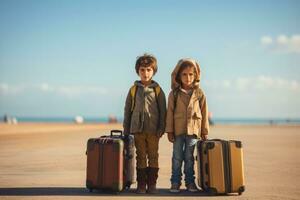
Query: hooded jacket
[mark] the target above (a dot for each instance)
(190, 115)
(149, 111)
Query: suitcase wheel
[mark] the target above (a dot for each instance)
(212, 191)
(241, 190)
(127, 185)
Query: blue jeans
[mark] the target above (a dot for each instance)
(183, 150)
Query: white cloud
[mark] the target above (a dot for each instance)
(295, 85)
(260, 96)
(72, 91)
(295, 43)
(282, 44)
(266, 40)
(242, 83)
(69, 91)
(278, 83)
(45, 87)
(261, 83)
(227, 83)
(282, 40)
(6, 89)
(3, 87)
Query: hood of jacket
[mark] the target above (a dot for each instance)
(174, 83)
(153, 84)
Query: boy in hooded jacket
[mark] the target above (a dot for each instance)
(144, 117)
(187, 120)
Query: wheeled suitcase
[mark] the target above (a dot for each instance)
(110, 162)
(220, 166)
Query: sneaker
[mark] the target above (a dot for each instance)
(175, 188)
(192, 187)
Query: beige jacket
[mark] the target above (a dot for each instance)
(191, 113)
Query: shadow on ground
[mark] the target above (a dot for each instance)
(81, 191)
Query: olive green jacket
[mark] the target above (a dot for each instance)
(149, 112)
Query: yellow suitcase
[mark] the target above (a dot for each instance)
(220, 166)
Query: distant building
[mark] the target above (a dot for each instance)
(112, 119)
(78, 119)
(10, 120)
(14, 120)
(5, 118)
(210, 121)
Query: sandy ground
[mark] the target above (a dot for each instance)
(48, 161)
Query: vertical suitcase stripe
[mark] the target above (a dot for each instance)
(199, 164)
(237, 168)
(227, 166)
(118, 147)
(216, 170)
(92, 163)
(100, 165)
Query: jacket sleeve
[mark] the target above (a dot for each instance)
(127, 114)
(163, 111)
(170, 114)
(204, 113)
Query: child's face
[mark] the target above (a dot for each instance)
(146, 73)
(187, 77)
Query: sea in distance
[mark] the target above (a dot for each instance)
(238, 121)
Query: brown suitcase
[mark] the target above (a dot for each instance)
(220, 166)
(110, 162)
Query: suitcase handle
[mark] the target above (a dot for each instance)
(116, 131)
(216, 140)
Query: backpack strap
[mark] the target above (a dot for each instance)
(133, 91)
(157, 90)
(199, 97)
(175, 94)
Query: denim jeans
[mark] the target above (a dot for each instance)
(183, 150)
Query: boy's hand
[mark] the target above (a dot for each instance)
(159, 134)
(171, 137)
(204, 137)
(125, 133)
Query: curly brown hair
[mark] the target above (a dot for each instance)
(146, 60)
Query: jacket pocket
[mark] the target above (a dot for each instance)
(197, 119)
(197, 115)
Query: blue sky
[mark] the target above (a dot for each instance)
(65, 58)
